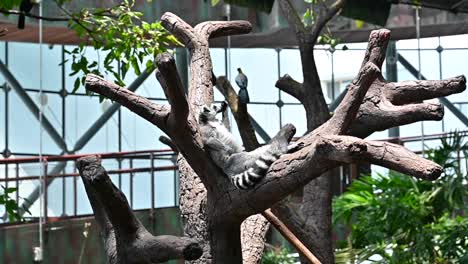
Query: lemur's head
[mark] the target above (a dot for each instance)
(209, 112)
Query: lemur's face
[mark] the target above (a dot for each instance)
(208, 113)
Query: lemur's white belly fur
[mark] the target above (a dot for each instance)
(225, 136)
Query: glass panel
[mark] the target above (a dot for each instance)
(105, 140)
(346, 65)
(139, 134)
(219, 69)
(453, 64)
(23, 62)
(25, 128)
(52, 107)
(425, 43)
(81, 113)
(165, 187)
(267, 116)
(429, 65)
(260, 66)
(456, 41)
(290, 60)
(295, 114)
(3, 111)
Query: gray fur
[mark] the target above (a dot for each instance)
(245, 169)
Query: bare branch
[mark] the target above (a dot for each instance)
(413, 91)
(290, 86)
(16, 12)
(215, 29)
(292, 17)
(169, 79)
(179, 28)
(240, 113)
(323, 20)
(154, 113)
(348, 108)
(396, 157)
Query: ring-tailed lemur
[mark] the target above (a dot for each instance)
(244, 168)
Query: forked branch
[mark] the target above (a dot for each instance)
(125, 238)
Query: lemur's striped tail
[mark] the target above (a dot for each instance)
(250, 177)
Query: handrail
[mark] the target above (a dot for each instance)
(107, 155)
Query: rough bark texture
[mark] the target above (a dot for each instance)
(253, 231)
(126, 240)
(217, 218)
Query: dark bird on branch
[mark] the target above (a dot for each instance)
(242, 81)
(25, 8)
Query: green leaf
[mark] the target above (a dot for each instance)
(307, 17)
(10, 190)
(76, 85)
(214, 2)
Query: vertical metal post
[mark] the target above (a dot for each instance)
(17, 183)
(7, 110)
(63, 94)
(332, 51)
(439, 50)
(131, 183)
(75, 203)
(280, 102)
(176, 180)
(119, 160)
(392, 76)
(152, 216)
(64, 195)
(45, 193)
(152, 183)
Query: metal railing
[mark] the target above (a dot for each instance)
(148, 157)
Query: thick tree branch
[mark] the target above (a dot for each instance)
(216, 29)
(126, 239)
(179, 28)
(154, 113)
(377, 47)
(384, 115)
(400, 93)
(169, 79)
(348, 108)
(240, 113)
(290, 86)
(396, 157)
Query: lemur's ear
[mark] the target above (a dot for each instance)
(205, 108)
(223, 107)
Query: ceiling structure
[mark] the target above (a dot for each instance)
(269, 30)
